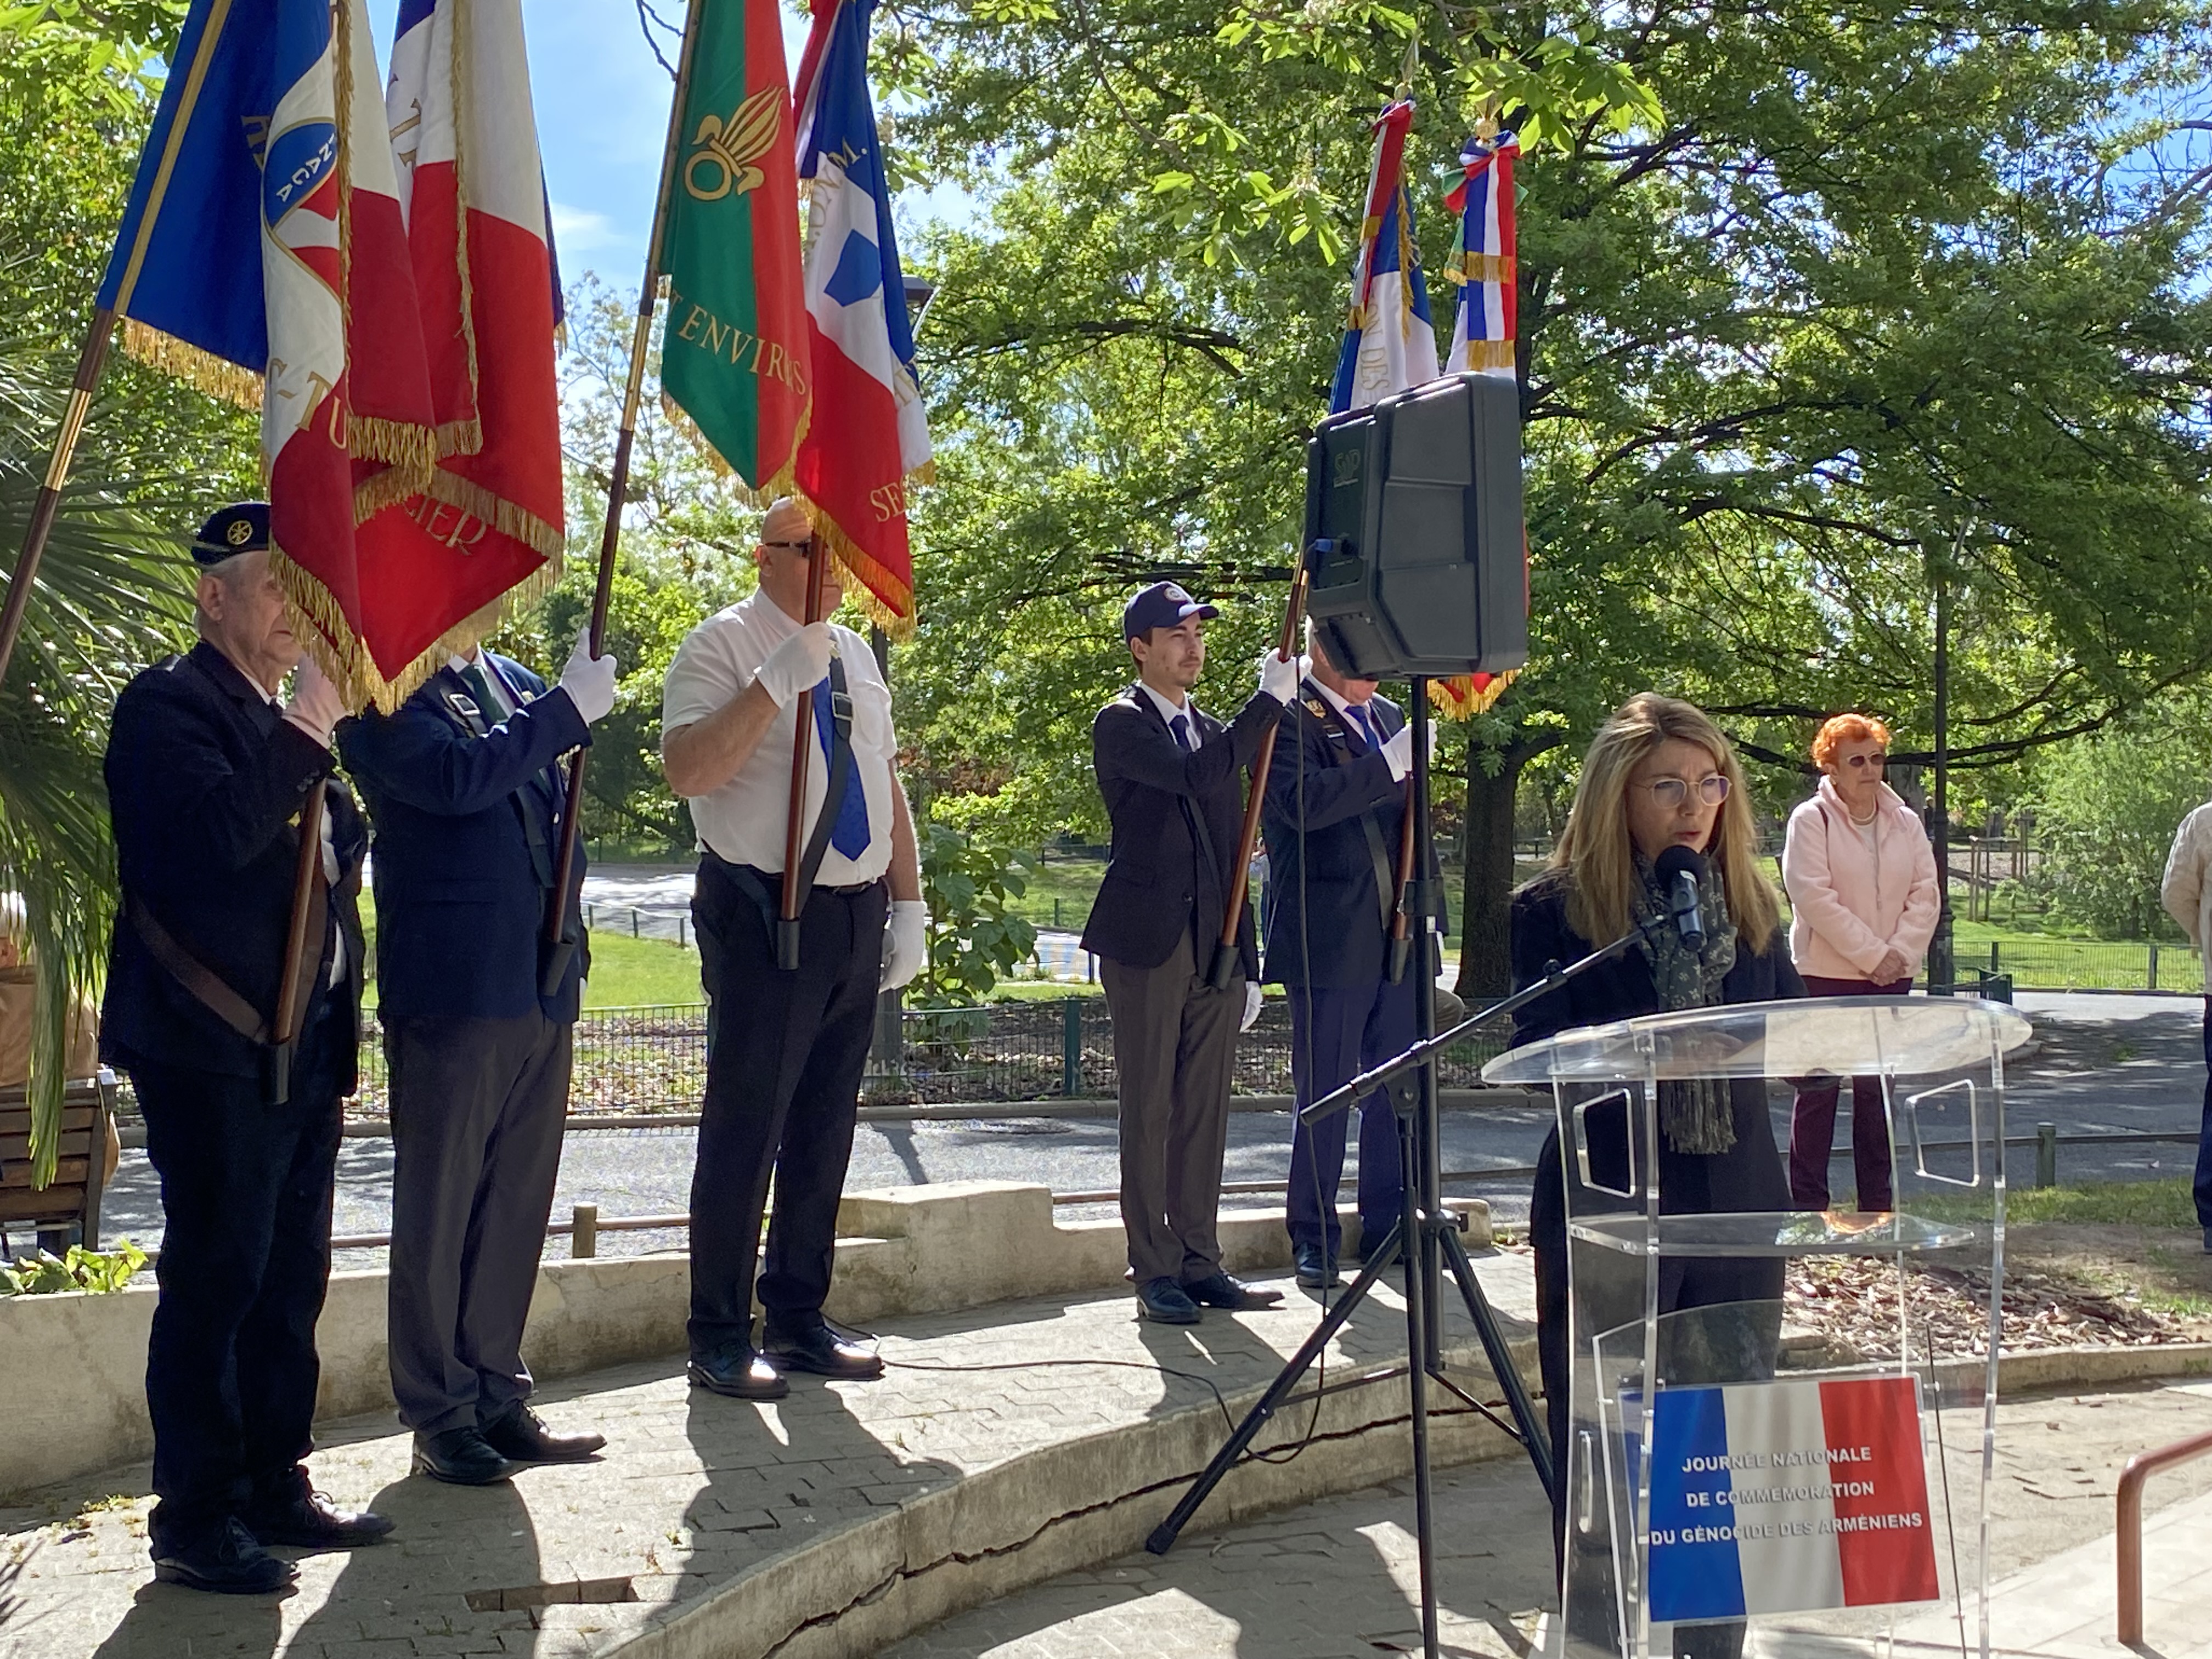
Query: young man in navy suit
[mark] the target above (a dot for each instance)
(1170, 776)
(1334, 818)
(467, 802)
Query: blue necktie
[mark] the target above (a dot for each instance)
(849, 835)
(1359, 719)
(1181, 726)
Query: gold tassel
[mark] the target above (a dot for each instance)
(201, 370)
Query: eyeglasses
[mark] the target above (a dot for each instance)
(1877, 762)
(805, 549)
(1670, 793)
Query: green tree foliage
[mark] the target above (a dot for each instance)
(2106, 809)
(1814, 305)
(975, 939)
(114, 592)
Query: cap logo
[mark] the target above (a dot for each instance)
(240, 533)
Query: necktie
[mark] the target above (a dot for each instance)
(849, 835)
(1181, 726)
(1360, 719)
(480, 689)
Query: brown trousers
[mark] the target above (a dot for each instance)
(1173, 1039)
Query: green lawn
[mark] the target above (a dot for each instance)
(626, 973)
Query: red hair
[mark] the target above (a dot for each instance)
(1840, 729)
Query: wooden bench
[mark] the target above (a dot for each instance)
(73, 1198)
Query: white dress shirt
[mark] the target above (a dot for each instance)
(1367, 725)
(1168, 711)
(743, 820)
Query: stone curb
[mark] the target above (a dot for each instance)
(857, 1589)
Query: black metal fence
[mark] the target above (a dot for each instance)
(654, 1059)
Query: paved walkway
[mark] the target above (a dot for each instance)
(692, 1491)
(1337, 1579)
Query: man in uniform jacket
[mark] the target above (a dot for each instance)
(1334, 818)
(467, 805)
(207, 773)
(1169, 773)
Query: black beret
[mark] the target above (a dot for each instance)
(241, 527)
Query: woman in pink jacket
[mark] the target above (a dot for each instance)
(1861, 877)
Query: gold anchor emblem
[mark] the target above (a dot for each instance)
(731, 148)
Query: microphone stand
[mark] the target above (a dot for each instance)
(1434, 1232)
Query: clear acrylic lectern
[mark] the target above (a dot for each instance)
(1800, 1494)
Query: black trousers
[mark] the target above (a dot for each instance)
(478, 1110)
(231, 1366)
(784, 1058)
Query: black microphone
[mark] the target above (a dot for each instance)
(1679, 870)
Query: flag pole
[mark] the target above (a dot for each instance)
(802, 747)
(1226, 953)
(560, 940)
(89, 363)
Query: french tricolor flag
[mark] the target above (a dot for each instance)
(1485, 261)
(1788, 1496)
(464, 143)
(263, 256)
(1390, 342)
(869, 435)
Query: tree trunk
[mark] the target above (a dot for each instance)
(1485, 954)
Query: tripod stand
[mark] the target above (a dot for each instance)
(1430, 1233)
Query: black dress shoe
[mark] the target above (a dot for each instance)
(521, 1434)
(230, 1563)
(461, 1457)
(1219, 1290)
(735, 1369)
(825, 1353)
(1166, 1302)
(309, 1520)
(1316, 1267)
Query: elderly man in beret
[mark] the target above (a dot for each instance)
(208, 767)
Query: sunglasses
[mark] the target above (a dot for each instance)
(1877, 762)
(1712, 790)
(805, 549)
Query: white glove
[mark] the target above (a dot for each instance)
(315, 707)
(799, 662)
(589, 680)
(906, 943)
(1399, 752)
(1279, 677)
(1251, 1004)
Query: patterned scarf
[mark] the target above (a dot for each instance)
(1697, 1115)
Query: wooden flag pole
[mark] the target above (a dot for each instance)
(278, 1081)
(561, 937)
(89, 363)
(802, 748)
(1402, 937)
(1225, 954)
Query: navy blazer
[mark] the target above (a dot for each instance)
(468, 824)
(1157, 887)
(205, 781)
(1324, 913)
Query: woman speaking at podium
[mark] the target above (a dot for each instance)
(1659, 775)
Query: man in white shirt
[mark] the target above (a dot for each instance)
(2187, 896)
(786, 1047)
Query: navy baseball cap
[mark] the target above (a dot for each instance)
(241, 527)
(1161, 605)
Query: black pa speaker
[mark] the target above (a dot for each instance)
(1413, 530)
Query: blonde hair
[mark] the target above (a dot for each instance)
(1596, 854)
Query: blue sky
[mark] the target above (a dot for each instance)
(602, 120)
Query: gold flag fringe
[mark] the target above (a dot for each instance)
(870, 579)
(460, 437)
(202, 370)
(340, 652)
(501, 514)
(1457, 697)
(1490, 354)
(753, 495)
